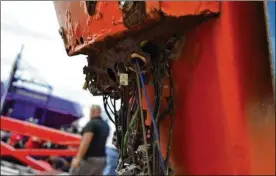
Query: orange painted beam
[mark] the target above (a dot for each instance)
(107, 20)
(225, 115)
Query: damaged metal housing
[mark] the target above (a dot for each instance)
(114, 30)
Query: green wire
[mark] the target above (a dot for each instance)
(133, 120)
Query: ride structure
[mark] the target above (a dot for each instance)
(194, 78)
(19, 103)
(25, 156)
(24, 97)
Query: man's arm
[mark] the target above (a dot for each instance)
(85, 141)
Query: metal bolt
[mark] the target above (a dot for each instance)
(126, 5)
(85, 85)
(61, 31)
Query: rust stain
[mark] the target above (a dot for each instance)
(153, 9)
(178, 9)
(117, 22)
(77, 30)
(89, 21)
(261, 132)
(108, 16)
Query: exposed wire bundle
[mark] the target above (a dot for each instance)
(152, 118)
(139, 145)
(142, 116)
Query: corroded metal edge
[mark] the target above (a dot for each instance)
(269, 26)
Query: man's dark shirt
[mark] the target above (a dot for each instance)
(100, 130)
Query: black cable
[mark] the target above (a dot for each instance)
(108, 104)
(116, 124)
(111, 101)
(107, 113)
(130, 110)
(171, 116)
(156, 77)
(126, 109)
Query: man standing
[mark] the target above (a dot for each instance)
(90, 159)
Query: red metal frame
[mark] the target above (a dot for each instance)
(44, 133)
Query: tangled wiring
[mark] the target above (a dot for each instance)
(138, 141)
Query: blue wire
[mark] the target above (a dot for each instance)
(151, 115)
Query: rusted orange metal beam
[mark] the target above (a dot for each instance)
(81, 30)
(44, 133)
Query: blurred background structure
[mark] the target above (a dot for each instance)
(33, 24)
(47, 85)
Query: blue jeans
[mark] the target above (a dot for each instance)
(111, 161)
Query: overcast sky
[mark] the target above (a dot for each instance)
(34, 24)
